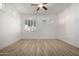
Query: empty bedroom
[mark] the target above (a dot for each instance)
(39, 29)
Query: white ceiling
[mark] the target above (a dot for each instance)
(26, 8)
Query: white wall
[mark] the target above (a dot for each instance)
(9, 27)
(69, 25)
(44, 30)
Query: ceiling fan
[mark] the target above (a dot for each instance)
(40, 5)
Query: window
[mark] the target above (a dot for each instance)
(30, 25)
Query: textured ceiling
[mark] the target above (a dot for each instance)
(26, 8)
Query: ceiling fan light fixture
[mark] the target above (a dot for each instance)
(40, 5)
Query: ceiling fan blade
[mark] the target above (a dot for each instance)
(34, 4)
(45, 8)
(45, 3)
(38, 8)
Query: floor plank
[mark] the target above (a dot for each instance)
(39, 47)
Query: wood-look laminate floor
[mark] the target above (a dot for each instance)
(40, 47)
